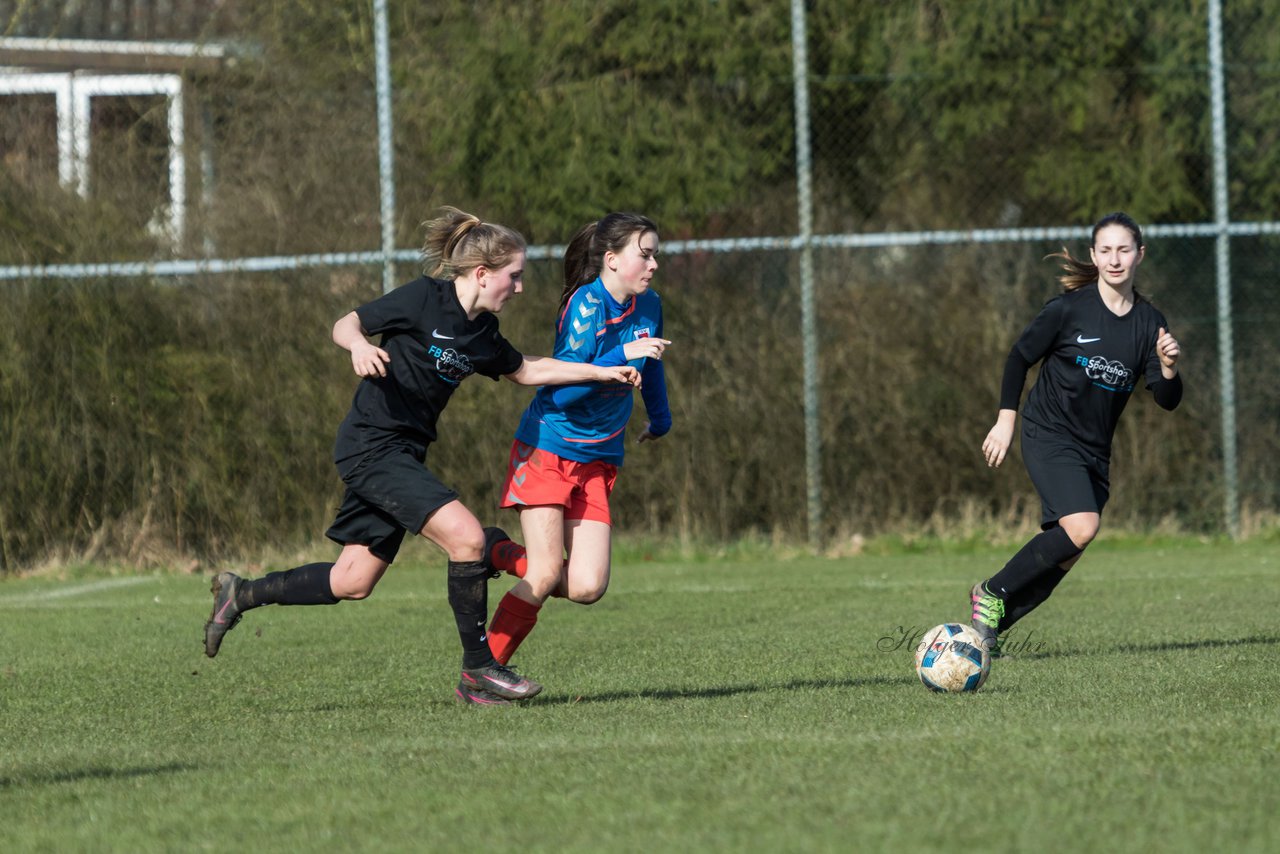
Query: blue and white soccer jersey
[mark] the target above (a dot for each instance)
(586, 422)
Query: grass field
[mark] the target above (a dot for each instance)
(734, 705)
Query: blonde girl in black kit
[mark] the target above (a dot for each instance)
(436, 331)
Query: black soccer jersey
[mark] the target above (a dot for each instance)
(433, 348)
(1092, 359)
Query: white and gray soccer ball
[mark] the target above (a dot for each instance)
(952, 658)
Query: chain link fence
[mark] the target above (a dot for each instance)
(853, 234)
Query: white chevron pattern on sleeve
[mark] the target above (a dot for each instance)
(581, 326)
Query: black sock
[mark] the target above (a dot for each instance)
(469, 599)
(1042, 554)
(1031, 598)
(302, 585)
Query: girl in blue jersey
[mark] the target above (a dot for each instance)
(569, 443)
(1093, 342)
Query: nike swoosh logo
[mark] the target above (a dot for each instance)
(1080, 339)
(222, 613)
(435, 333)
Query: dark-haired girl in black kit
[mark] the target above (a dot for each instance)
(436, 331)
(1093, 341)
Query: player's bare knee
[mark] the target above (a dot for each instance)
(463, 543)
(588, 595)
(455, 530)
(544, 581)
(351, 587)
(1081, 530)
(355, 575)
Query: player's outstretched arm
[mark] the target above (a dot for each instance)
(367, 359)
(649, 349)
(645, 348)
(543, 370)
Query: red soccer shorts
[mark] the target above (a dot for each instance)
(538, 478)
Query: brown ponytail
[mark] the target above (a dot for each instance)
(1079, 273)
(584, 256)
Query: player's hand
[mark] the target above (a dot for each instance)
(996, 445)
(645, 435)
(369, 361)
(645, 348)
(1167, 348)
(624, 374)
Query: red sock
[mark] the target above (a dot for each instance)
(510, 557)
(512, 622)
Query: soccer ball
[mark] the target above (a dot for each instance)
(952, 657)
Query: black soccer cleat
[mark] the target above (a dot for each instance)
(470, 696)
(500, 680)
(492, 536)
(226, 613)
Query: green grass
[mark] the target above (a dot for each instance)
(735, 705)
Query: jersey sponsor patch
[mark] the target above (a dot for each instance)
(452, 366)
(1113, 376)
(643, 332)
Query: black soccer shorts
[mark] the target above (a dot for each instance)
(1068, 477)
(389, 491)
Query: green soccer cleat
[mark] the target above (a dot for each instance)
(985, 616)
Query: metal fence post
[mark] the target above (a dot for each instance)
(386, 167)
(808, 312)
(1222, 220)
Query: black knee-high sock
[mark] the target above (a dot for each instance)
(1031, 597)
(302, 585)
(1042, 554)
(469, 599)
